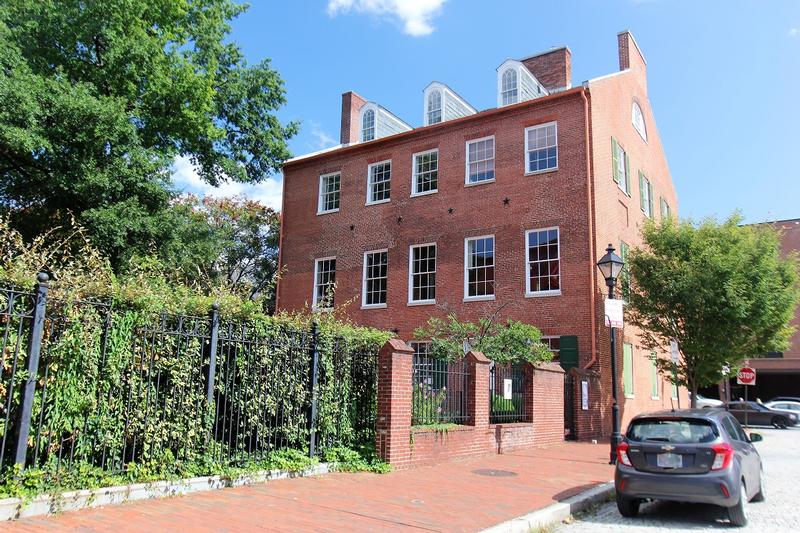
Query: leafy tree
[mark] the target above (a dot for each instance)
(721, 291)
(507, 342)
(97, 98)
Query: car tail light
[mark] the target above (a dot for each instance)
(723, 457)
(622, 453)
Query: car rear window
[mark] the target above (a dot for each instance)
(673, 430)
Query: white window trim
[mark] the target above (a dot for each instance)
(364, 304)
(319, 195)
(649, 202)
(486, 297)
(539, 294)
(543, 337)
(642, 134)
(314, 306)
(623, 168)
(525, 170)
(427, 110)
(500, 90)
(468, 183)
(411, 273)
(369, 185)
(414, 192)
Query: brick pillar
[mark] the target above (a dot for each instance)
(548, 403)
(393, 426)
(478, 388)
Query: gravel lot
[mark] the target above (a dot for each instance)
(780, 451)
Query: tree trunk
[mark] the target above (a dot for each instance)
(693, 385)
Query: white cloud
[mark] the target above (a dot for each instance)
(416, 15)
(794, 32)
(323, 140)
(187, 180)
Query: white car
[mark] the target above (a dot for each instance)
(708, 403)
(785, 406)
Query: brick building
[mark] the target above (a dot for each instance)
(507, 208)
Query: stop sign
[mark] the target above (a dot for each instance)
(746, 376)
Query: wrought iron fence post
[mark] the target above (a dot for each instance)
(212, 352)
(34, 351)
(312, 419)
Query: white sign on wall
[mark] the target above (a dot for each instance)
(674, 352)
(614, 313)
(585, 395)
(508, 389)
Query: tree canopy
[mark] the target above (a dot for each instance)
(97, 98)
(722, 291)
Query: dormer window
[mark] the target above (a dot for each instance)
(368, 125)
(637, 118)
(509, 92)
(434, 107)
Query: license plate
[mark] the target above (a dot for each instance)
(669, 460)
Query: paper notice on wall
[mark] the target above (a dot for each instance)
(584, 395)
(508, 389)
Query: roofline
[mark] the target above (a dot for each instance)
(555, 49)
(772, 222)
(434, 127)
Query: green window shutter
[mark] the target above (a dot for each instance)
(614, 160)
(627, 174)
(568, 351)
(650, 199)
(653, 375)
(641, 191)
(627, 368)
(662, 206)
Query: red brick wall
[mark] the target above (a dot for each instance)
(548, 403)
(552, 69)
(351, 108)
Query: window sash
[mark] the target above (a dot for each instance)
(324, 282)
(553, 344)
(380, 178)
(509, 87)
(434, 107)
(543, 261)
(541, 147)
(479, 267)
(422, 273)
(376, 274)
(330, 188)
(480, 160)
(368, 125)
(426, 172)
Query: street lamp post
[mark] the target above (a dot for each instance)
(610, 266)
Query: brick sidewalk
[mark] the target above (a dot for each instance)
(453, 496)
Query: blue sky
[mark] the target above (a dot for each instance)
(723, 77)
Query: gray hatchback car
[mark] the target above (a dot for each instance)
(689, 455)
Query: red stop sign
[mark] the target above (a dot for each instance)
(746, 376)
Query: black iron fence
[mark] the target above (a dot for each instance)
(507, 384)
(86, 383)
(439, 391)
(569, 407)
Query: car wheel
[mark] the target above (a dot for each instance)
(760, 496)
(737, 513)
(628, 507)
(779, 422)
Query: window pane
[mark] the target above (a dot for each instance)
(480, 159)
(426, 172)
(542, 147)
(324, 283)
(423, 273)
(375, 281)
(380, 176)
(480, 267)
(543, 261)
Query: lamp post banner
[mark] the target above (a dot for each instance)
(613, 313)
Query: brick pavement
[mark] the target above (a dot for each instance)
(451, 496)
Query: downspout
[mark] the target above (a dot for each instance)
(590, 210)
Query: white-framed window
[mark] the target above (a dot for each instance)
(379, 180)
(541, 148)
(666, 212)
(368, 125)
(426, 172)
(480, 160)
(422, 274)
(621, 167)
(637, 119)
(479, 256)
(434, 107)
(329, 188)
(509, 91)
(543, 264)
(553, 344)
(645, 195)
(376, 275)
(324, 282)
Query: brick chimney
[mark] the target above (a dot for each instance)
(630, 56)
(553, 69)
(351, 106)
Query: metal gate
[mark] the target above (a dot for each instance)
(569, 407)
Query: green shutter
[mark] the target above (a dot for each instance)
(627, 368)
(568, 351)
(614, 160)
(650, 199)
(641, 191)
(627, 174)
(654, 375)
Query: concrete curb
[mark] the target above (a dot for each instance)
(556, 513)
(14, 508)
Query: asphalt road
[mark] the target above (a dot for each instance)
(780, 451)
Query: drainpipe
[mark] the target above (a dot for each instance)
(590, 209)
